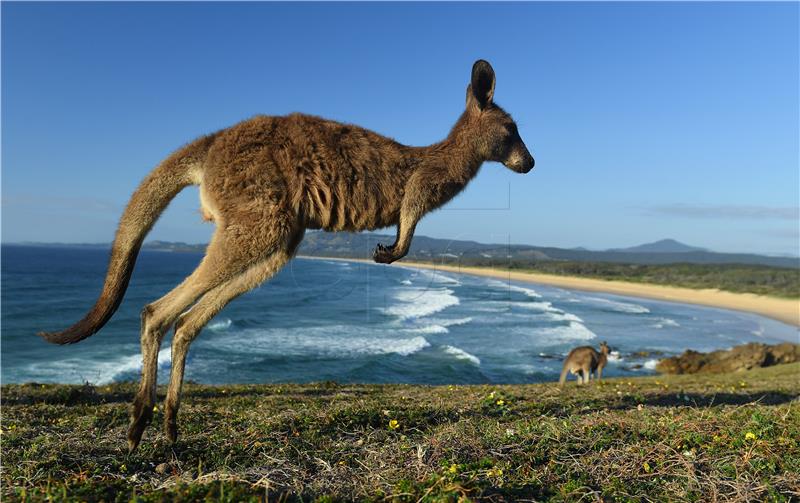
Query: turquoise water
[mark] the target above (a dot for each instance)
(348, 322)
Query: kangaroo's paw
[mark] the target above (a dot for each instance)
(141, 414)
(383, 254)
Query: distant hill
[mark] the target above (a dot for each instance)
(662, 246)
(360, 245)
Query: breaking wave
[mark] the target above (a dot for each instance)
(461, 354)
(416, 303)
(220, 325)
(617, 306)
(327, 341)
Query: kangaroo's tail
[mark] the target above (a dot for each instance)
(563, 378)
(144, 208)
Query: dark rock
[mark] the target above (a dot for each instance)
(744, 357)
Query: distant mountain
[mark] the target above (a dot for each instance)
(360, 245)
(662, 246)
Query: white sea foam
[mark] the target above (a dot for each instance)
(614, 357)
(538, 306)
(419, 302)
(528, 369)
(95, 371)
(109, 371)
(220, 325)
(327, 341)
(406, 282)
(530, 292)
(573, 332)
(428, 329)
(650, 364)
(340, 263)
(434, 277)
(665, 322)
(453, 322)
(552, 316)
(461, 354)
(620, 307)
(542, 306)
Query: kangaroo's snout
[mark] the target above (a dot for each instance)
(528, 164)
(520, 161)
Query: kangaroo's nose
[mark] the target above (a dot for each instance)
(528, 165)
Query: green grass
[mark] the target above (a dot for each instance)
(682, 438)
(737, 278)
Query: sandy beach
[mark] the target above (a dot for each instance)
(784, 310)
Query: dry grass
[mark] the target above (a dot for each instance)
(729, 437)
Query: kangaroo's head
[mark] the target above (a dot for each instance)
(496, 132)
(604, 348)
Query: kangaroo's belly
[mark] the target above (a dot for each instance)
(351, 202)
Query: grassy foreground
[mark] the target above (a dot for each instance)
(731, 437)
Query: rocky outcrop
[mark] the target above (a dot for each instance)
(744, 357)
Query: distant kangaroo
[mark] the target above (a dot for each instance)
(264, 182)
(585, 360)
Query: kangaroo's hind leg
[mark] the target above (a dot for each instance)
(191, 322)
(157, 317)
(230, 253)
(586, 375)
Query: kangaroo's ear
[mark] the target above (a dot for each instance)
(481, 90)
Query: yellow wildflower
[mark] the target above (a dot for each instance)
(453, 468)
(394, 424)
(749, 436)
(501, 402)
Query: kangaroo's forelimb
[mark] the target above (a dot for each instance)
(409, 216)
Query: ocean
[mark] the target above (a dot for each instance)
(321, 320)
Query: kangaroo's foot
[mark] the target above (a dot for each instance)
(384, 254)
(141, 415)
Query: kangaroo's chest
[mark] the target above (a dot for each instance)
(341, 190)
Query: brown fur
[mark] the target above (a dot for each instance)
(583, 362)
(263, 182)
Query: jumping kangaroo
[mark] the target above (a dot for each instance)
(266, 180)
(587, 361)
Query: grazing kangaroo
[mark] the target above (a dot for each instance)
(266, 180)
(585, 360)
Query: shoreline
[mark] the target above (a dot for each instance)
(783, 310)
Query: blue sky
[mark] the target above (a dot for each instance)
(647, 120)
